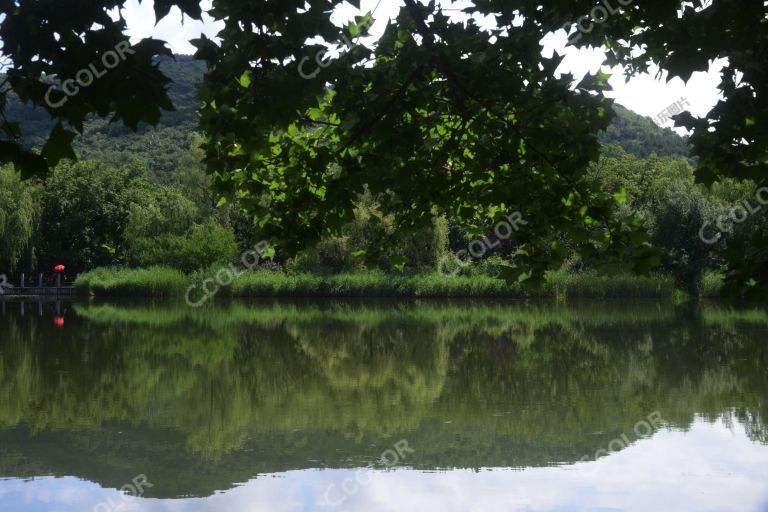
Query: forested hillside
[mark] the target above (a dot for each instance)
(641, 137)
(160, 150)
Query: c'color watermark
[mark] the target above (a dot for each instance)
(128, 492)
(642, 428)
(87, 76)
(479, 247)
(320, 57)
(711, 233)
(598, 15)
(226, 275)
(334, 497)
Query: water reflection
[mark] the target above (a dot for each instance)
(203, 400)
(672, 471)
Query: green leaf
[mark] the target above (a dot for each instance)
(621, 196)
(398, 262)
(59, 146)
(245, 79)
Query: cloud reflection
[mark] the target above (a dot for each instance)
(711, 467)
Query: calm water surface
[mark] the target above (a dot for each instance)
(382, 406)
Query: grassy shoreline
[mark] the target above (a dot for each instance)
(166, 282)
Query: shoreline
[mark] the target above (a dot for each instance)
(160, 282)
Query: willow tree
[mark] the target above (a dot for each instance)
(19, 219)
(439, 115)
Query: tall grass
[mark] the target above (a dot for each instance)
(370, 284)
(144, 282)
(164, 282)
(589, 285)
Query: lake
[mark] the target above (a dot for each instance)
(382, 406)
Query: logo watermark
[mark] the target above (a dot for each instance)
(479, 247)
(643, 428)
(711, 233)
(4, 284)
(226, 275)
(320, 57)
(598, 15)
(666, 115)
(87, 76)
(128, 493)
(351, 485)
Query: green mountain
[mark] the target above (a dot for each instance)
(641, 137)
(160, 150)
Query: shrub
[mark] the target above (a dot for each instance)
(331, 255)
(712, 284)
(205, 245)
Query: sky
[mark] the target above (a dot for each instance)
(648, 95)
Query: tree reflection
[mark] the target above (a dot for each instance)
(268, 387)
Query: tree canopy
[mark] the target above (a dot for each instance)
(439, 116)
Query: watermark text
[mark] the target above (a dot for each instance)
(86, 77)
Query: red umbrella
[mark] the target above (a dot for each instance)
(58, 269)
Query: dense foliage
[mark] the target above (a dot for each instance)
(439, 116)
(19, 220)
(144, 198)
(663, 193)
(90, 214)
(443, 113)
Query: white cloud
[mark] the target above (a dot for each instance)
(647, 94)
